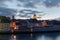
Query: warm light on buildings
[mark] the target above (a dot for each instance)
(13, 37)
(15, 28)
(34, 16)
(12, 24)
(44, 23)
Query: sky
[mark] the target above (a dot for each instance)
(23, 9)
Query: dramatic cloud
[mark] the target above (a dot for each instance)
(29, 11)
(29, 3)
(26, 12)
(2, 2)
(7, 11)
(52, 3)
(47, 3)
(26, 7)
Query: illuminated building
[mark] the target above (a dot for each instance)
(34, 16)
(44, 23)
(13, 24)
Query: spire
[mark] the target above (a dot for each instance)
(13, 18)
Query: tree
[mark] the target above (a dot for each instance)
(4, 19)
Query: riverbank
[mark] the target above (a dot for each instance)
(27, 32)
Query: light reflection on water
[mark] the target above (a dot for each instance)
(13, 37)
(35, 36)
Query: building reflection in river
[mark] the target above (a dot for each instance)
(39, 36)
(13, 37)
(31, 36)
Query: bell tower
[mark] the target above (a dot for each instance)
(34, 16)
(13, 19)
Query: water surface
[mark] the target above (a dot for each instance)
(31, 36)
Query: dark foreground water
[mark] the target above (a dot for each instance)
(34, 36)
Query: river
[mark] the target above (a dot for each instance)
(31, 36)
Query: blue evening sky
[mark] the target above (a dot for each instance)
(46, 9)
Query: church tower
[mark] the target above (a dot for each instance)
(34, 16)
(13, 18)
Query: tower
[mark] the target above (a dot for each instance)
(13, 19)
(13, 24)
(34, 16)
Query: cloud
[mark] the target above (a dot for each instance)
(29, 3)
(7, 11)
(7, 7)
(46, 3)
(29, 11)
(52, 3)
(26, 12)
(2, 0)
(2, 4)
